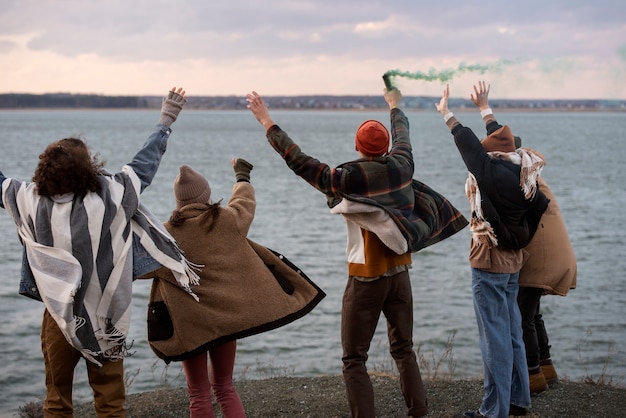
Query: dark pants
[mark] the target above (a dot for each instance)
(362, 304)
(107, 382)
(534, 330)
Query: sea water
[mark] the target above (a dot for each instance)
(585, 168)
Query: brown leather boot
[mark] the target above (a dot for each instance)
(537, 380)
(549, 372)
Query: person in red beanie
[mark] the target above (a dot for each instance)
(506, 206)
(372, 139)
(386, 223)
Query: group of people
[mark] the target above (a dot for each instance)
(518, 242)
(87, 236)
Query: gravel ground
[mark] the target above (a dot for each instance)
(324, 397)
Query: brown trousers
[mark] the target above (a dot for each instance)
(107, 382)
(362, 304)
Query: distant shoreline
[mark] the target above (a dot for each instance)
(66, 101)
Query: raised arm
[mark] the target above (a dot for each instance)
(466, 141)
(259, 110)
(242, 201)
(400, 140)
(481, 99)
(442, 107)
(146, 162)
(314, 172)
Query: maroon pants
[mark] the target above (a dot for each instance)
(362, 304)
(199, 385)
(107, 382)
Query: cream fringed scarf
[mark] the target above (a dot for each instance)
(482, 232)
(531, 162)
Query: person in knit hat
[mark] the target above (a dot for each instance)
(244, 289)
(506, 206)
(191, 187)
(499, 139)
(372, 139)
(386, 223)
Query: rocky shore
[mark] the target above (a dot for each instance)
(324, 397)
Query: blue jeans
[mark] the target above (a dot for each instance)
(501, 343)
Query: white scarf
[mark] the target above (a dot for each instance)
(371, 218)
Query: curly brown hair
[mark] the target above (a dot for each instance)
(67, 166)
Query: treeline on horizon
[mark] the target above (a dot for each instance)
(16, 101)
(67, 100)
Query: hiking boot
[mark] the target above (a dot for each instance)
(473, 414)
(517, 411)
(549, 372)
(538, 382)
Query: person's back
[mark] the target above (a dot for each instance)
(244, 289)
(550, 269)
(506, 207)
(376, 194)
(78, 225)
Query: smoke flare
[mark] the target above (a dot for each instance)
(446, 75)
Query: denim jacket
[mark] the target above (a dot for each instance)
(145, 163)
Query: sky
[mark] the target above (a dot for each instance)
(548, 49)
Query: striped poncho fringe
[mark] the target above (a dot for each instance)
(84, 268)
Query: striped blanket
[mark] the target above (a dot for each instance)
(80, 253)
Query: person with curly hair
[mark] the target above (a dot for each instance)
(86, 235)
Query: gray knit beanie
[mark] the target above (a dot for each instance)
(190, 187)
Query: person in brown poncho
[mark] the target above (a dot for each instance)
(549, 270)
(244, 289)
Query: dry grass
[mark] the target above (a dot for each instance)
(275, 394)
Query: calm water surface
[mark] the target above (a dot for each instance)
(585, 155)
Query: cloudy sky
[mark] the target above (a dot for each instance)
(525, 49)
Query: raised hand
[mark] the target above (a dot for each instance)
(442, 106)
(259, 110)
(172, 105)
(242, 169)
(481, 97)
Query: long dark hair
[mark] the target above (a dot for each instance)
(209, 217)
(67, 166)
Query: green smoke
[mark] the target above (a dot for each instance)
(621, 52)
(446, 75)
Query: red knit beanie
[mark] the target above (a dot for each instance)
(372, 138)
(190, 187)
(501, 140)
